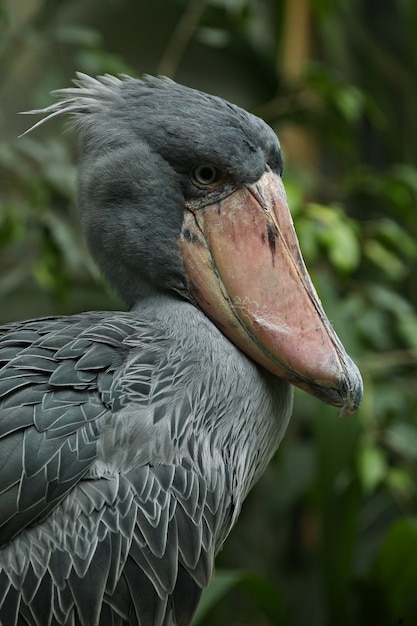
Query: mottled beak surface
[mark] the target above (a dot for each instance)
(246, 272)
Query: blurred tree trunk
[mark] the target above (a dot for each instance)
(299, 144)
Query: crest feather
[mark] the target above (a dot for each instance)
(87, 96)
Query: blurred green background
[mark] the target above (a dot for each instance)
(329, 535)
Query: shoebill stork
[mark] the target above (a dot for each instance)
(129, 440)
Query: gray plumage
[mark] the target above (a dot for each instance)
(125, 460)
(128, 441)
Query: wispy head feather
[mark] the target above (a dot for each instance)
(88, 96)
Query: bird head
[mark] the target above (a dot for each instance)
(181, 192)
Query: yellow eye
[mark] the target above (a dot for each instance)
(205, 174)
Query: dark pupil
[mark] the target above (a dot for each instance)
(206, 174)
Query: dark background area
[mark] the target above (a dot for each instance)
(329, 534)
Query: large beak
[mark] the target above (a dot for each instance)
(246, 272)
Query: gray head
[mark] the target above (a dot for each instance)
(143, 143)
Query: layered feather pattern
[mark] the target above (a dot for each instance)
(115, 483)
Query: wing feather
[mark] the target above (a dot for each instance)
(97, 541)
(49, 400)
(88, 586)
(10, 606)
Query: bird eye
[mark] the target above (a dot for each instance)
(205, 174)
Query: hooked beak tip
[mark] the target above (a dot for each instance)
(350, 389)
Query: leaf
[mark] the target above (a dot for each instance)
(402, 438)
(338, 235)
(401, 483)
(407, 325)
(78, 35)
(396, 236)
(213, 37)
(267, 598)
(221, 584)
(350, 101)
(407, 174)
(372, 467)
(385, 259)
(343, 248)
(395, 569)
(265, 595)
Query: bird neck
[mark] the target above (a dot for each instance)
(166, 308)
(239, 410)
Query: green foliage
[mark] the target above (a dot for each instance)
(392, 580)
(326, 229)
(329, 534)
(264, 596)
